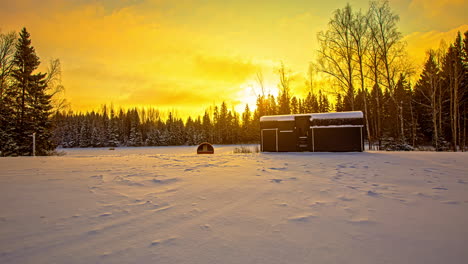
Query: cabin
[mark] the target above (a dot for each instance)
(315, 132)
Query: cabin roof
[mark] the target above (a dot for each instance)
(338, 115)
(281, 117)
(335, 115)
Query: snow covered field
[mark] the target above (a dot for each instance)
(169, 205)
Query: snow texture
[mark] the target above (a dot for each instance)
(170, 205)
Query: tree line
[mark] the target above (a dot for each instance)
(147, 127)
(141, 127)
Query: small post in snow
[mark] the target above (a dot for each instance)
(34, 144)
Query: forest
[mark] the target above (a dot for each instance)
(362, 56)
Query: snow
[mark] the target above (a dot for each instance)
(170, 205)
(337, 126)
(281, 117)
(338, 115)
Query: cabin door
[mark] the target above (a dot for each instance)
(302, 133)
(269, 138)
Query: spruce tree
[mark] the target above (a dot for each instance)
(113, 130)
(294, 105)
(207, 128)
(32, 106)
(246, 125)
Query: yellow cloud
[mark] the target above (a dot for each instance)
(433, 8)
(420, 42)
(224, 68)
(440, 15)
(167, 95)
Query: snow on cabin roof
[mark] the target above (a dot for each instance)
(336, 115)
(337, 126)
(281, 117)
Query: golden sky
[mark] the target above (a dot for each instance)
(190, 54)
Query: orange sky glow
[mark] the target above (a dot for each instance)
(187, 55)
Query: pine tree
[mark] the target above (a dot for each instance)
(223, 123)
(190, 131)
(402, 94)
(272, 108)
(85, 134)
(294, 106)
(453, 71)
(427, 91)
(247, 133)
(324, 105)
(339, 104)
(376, 113)
(135, 136)
(103, 131)
(216, 126)
(262, 107)
(113, 131)
(207, 128)
(311, 104)
(284, 99)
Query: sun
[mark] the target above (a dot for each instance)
(247, 95)
(249, 92)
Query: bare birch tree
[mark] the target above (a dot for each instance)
(284, 89)
(390, 51)
(7, 51)
(261, 82)
(55, 87)
(310, 77)
(336, 52)
(361, 38)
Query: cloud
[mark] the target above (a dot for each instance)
(224, 68)
(434, 8)
(435, 14)
(420, 42)
(167, 95)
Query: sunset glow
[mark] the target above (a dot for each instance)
(189, 55)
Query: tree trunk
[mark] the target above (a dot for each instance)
(413, 126)
(402, 124)
(369, 136)
(435, 128)
(454, 109)
(379, 122)
(463, 146)
(439, 88)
